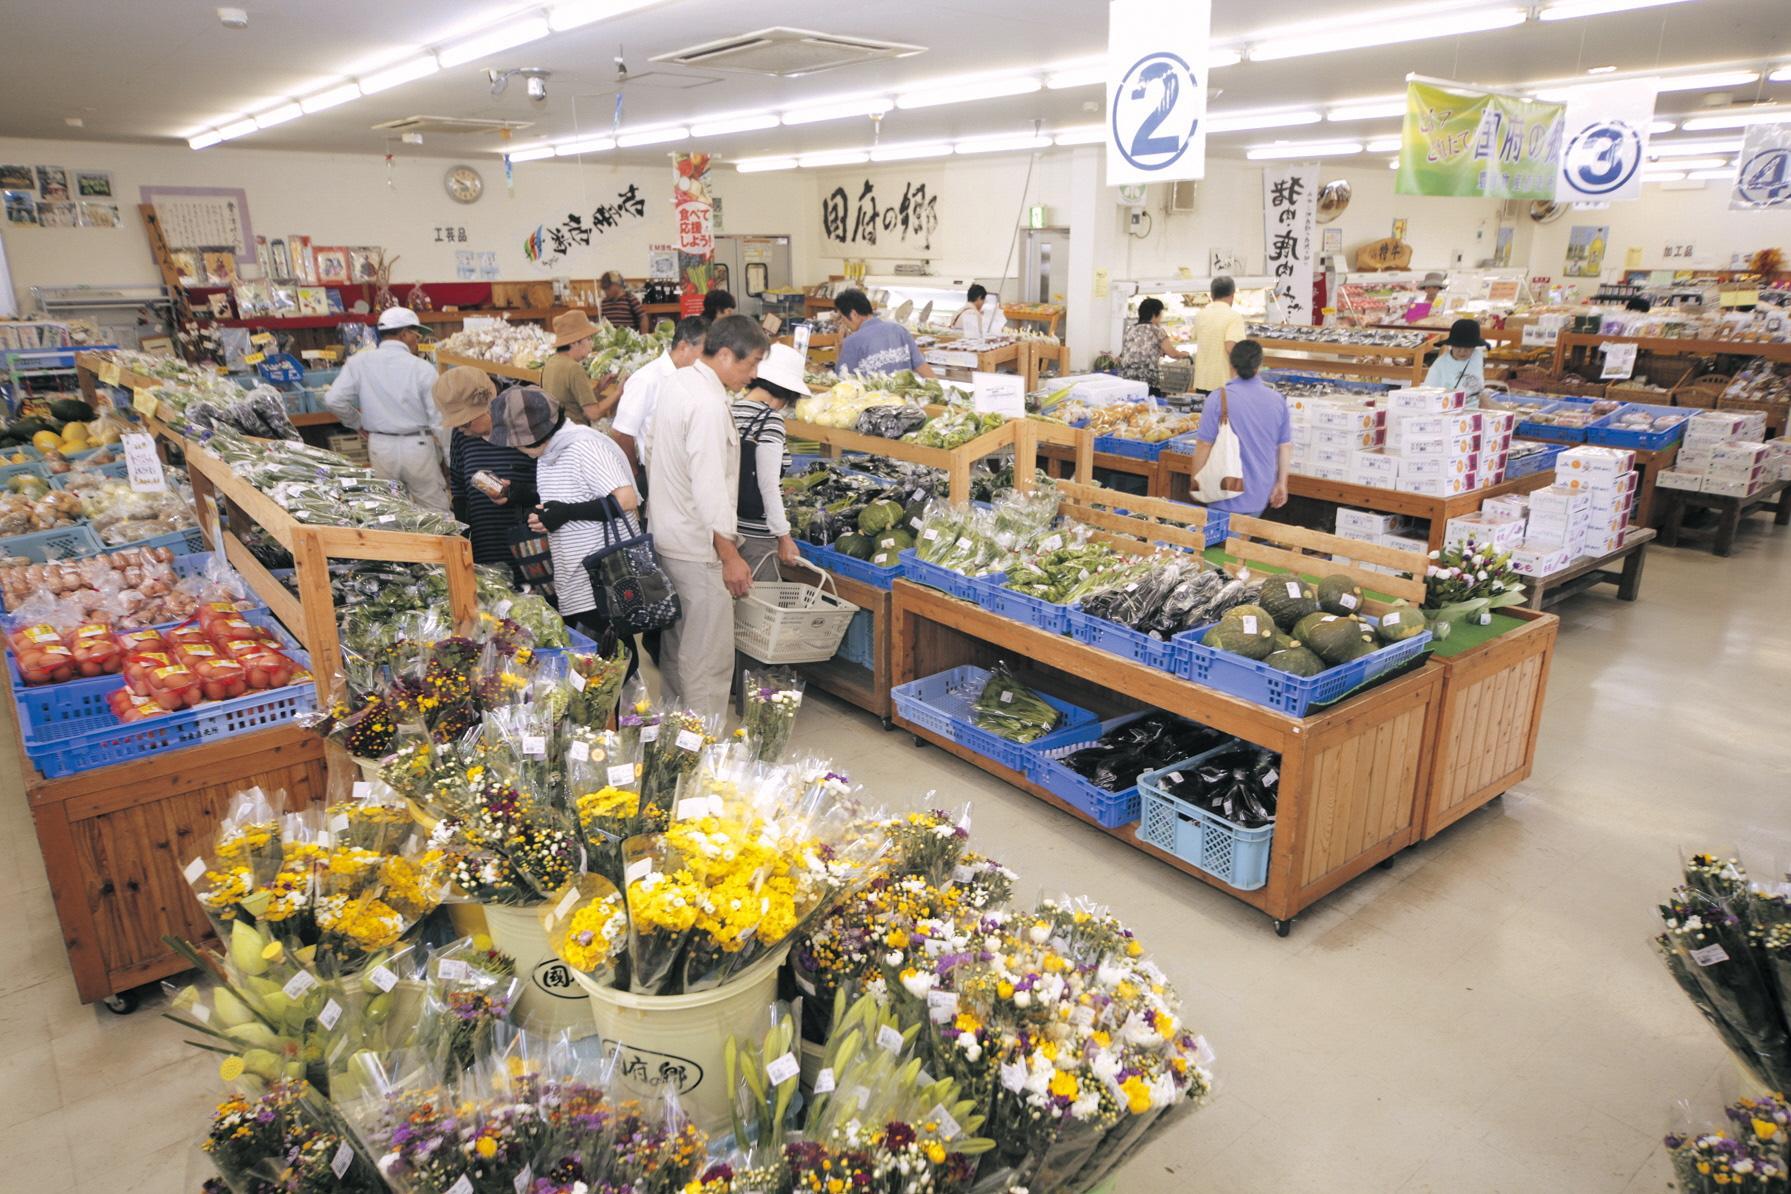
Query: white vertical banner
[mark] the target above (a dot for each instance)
(1289, 212)
(1605, 141)
(1763, 172)
(1156, 89)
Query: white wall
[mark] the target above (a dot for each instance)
(1699, 215)
(351, 199)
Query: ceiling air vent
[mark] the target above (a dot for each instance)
(787, 53)
(450, 124)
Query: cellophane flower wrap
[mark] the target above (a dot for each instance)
(671, 750)
(287, 1138)
(468, 996)
(637, 719)
(587, 928)
(603, 789)
(772, 701)
(1750, 1151)
(1469, 580)
(595, 680)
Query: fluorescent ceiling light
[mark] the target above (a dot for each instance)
(1392, 163)
(1657, 127)
(1568, 10)
(1083, 72)
(329, 99)
(405, 72)
(586, 145)
(204, 140)
(734, 124)
(1385, 145)
(513, 32)
(1238, 122)
(834, 157)
(1679, 149)
(1089, 134)
(241, 128)
(1781, 75)
(1304, 149)
(1709, 80)
(1356, 33)
(761, 165)
(534, 154)
(651, 137)
(1219, 59)
(1602, 70)
(837, 111)
(908, 153)
(968, 91)
(279, 115)
(583, 12)
(1368, 110)
(1663, 176)
(1012, 143)
(1736, 120)
(1708, 174)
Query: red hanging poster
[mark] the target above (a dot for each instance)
(696, 235)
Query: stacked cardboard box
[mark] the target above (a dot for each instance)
(1388, 530)
(1778, 463)
(1328, 430)
(1607, 477)
(1723, 453)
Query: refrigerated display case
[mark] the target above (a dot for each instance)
(1182, 299)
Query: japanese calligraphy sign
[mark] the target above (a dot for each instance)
(1156, 90)
(1463, 142)
(902, 214)
(693, 202)
(1289, 210)
(548, 243)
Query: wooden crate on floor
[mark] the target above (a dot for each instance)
(115, 840)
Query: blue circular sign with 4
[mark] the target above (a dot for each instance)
(1602, 157)
(1765, 179)
(1155, 111)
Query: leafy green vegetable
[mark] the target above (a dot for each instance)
(1009, 708)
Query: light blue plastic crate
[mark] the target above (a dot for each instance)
(859, 647)
(31, 468)
(1108, 809)
(955, 584)
(1560, 435)
(1645, 441)
(1535, 462)
(84, 744)
(1261, 684)
(1048, 616)
(62, 543)
(1119, 640)
(184, 542)
(1236, 856)
(945, 704)
(850, 567)
(1134, 449)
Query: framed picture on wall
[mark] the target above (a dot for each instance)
(361, 263)
(313, 300)
(52, 182)
(331, 264)
(282, 300)
(21, 207)
(219, 265)
(93, 184)
(17, 178)
(98, 215)
(58, 215)
(186, 266)
(298, 248)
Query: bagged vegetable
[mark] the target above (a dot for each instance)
(1011, 709)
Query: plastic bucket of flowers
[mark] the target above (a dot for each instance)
(551, 997)
(676, 1041)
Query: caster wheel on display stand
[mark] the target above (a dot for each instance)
(121, 1004)
(1385, 864)
(1284, 927)
(888, 725)
(918, 741)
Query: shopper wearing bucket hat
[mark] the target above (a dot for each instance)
(385, 394)
(1461, 363)
(492, 487)
(1424, 308)
(759, 419)
(578, 472)
(564, 376)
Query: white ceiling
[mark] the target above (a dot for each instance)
(166, 69)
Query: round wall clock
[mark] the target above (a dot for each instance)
(463, 184)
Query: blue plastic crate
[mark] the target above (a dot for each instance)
(1646, 441)
(1135, 449)
(1294, 376)
(1119, 640)
(850, 567)
(1559, 435)
(859, 647)
(945, 704)
(31, 468)
(83, 744)
(1237, 856)
(184, 542)
(1261, 684)
(1535, 462)
(1048, 616)
(1109, 809)
(955, 584)
(62, 543)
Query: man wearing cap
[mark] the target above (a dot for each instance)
(564, 376)
(695, 475)
(489, 504)
(385, 393)
(619, 306)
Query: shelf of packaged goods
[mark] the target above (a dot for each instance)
(980, 360)
(445, 361)
(1775, 496)
(1589, 572)
(1050, 315)
(1570, 344)
(1355, 360)
(1018, 434)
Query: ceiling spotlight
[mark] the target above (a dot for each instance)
(233, 18)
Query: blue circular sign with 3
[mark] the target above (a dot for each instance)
(1765, 179)
(1602, 157)
(1155, 111)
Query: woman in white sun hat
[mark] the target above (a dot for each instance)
(759, 418)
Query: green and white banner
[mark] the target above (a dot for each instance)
(1469, 143)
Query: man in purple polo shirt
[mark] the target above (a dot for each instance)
(1258, 415)
(875, 345)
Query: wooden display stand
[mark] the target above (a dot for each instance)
(943, 356)
(445, 361)
(1354, 360)
(1730, 510)
(1490, 708)
(1650, 462)
(1572, 345)
(1049, 315)
(1017, 434)
(1591, 571)
(867, 688)
(1039, 354)
(1352, 775)
(115, 840)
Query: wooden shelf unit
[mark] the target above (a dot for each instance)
(1019, 434)
(1354, 360)
(1569, 344)
(445, 361)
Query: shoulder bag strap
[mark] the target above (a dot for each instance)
(1224, 405)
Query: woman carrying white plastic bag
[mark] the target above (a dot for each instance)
(1245, 442)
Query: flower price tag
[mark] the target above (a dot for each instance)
(298, 984)
(1203, 1052)
(637, 870)
(1710, 955)
(194, 869)
(534, 745)
(963, 872)
(342, 1160)
(201, 1013)
(577, 681)
(454, 970)
(383, 978)
(824, 1081)
(524, 1180)
(332, 1011)
(934, 946)
(579, 752)
(565, 905)
(1083, 1016)
(649, 734)
(620, 773)
(363, 789)
(889, 1039)
(339, 823)
(949, 1128)
(782, 1069)
(463, 1185)
(690, 740)
(942, 1005)
(502, 609)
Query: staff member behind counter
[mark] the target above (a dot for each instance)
(384, 393)
(874, 345)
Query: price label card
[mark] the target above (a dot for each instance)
(143, 402)
(262, 338)
(342, 1160)
(534, 745)
(254, 358)
(941, 1005)
(382, 978)
(782, 1069)
(142, 465)
(579, 752)
(565, 905)
(1710, 955)
(637, 870)
(108, 372)
(824, 1082)
(577, 681)
(620, 774)
(889, 1039)
(1619, 361)
(999, 394)
(298, 984)
(454, 970)
(689, 740)
(332, 1011)
(194, 869)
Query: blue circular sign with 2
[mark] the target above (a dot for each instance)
(1602, 157)
(1765, 179)
(1155, 111)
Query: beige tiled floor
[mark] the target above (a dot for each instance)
(1487, 1016)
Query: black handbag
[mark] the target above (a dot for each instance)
(632, 593)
